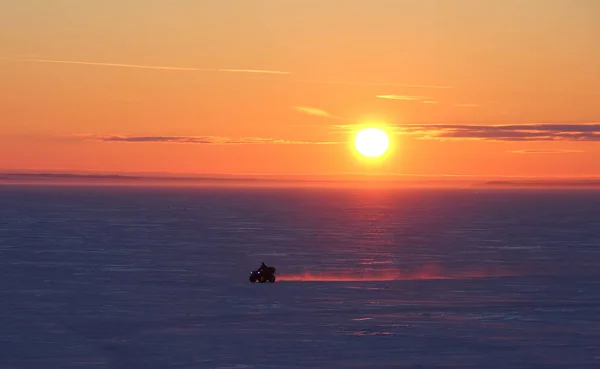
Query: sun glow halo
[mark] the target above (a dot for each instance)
(371, 142)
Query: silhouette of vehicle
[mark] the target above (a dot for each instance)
(263, 274)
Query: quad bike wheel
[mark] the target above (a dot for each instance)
(262, 279)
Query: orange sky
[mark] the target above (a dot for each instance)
(472, 87)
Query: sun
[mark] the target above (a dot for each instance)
(371, 142)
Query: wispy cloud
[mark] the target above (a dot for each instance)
(311, 111)
(516, 132)
(544, 151)
(139, 66)
(354, 127)
(423, 99)
(205, 140)
(315, 111)
(260, 71)
(383, 84)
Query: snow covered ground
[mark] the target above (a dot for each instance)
(116, 278)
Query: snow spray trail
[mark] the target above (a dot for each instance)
(427, 272)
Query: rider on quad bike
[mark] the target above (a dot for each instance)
(263, 274)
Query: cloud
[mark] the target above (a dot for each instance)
(119, 65)
(205, 140)
(311, 111)
(383, 84)
(260, 71)
(467, 105)
(516, 132)
(423, 99)
(402, 97)
(544, 151)
(315, 111)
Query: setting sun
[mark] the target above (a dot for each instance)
(371, 142)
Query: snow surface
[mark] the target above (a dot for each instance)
(124, 278)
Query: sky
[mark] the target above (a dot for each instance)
(463, 87)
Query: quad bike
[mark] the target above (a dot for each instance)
(263, 274)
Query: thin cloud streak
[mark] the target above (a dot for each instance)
(403, 97)
(515, 132)
(383, 84)
(421, 99)
(544, 151)
(351, 127)
(203, 140)
(138, 66)
(260, 71)
(467, 105)
(309, 110)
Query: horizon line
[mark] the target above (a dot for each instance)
(37, 175)
(169, 174)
